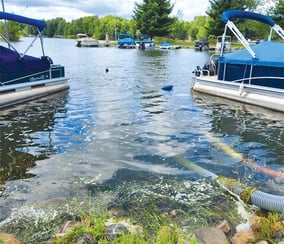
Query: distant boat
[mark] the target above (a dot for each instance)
(24, 77)
(168, 46)
(226, 46)
(125, 41)
(145, 42)
(201, 45)
(83, 40)
(253, 75)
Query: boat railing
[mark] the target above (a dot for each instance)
(5, 83)
(214, 62)
(21, 55)
(31, 44)
(209, 69)
(53, 68)
(10, 44)
(38, 24)
(243, 83)
(242, 80)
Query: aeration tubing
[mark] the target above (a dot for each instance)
(266, 201)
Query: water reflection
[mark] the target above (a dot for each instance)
(26, 135)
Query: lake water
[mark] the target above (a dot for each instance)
(121, 125)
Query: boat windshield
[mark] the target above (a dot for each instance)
(80, 35)
(122, 36)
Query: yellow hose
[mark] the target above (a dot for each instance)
(248, 162)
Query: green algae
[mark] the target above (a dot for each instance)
(186, 204)
(229, 183)
(246, 194)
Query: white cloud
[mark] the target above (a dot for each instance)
(190, 9)
(48, 9)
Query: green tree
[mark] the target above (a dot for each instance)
(108, 25)
(255, 30)
(152, 17)
(14, 29)
(55, 27)
(29, 30)
(198, 28)
(216, 25)
(278, 13)
(90, 25)
(180, 29)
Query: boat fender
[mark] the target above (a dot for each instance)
(167, 87)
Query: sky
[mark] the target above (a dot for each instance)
(74, 9)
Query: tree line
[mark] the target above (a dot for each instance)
(154, 17)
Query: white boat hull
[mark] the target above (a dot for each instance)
(87, 42)
(266, 97)
(19, 93)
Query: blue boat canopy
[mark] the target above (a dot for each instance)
(40, 24)
(231, 14)
(267, 54)
(123, 35)
(165, 44)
